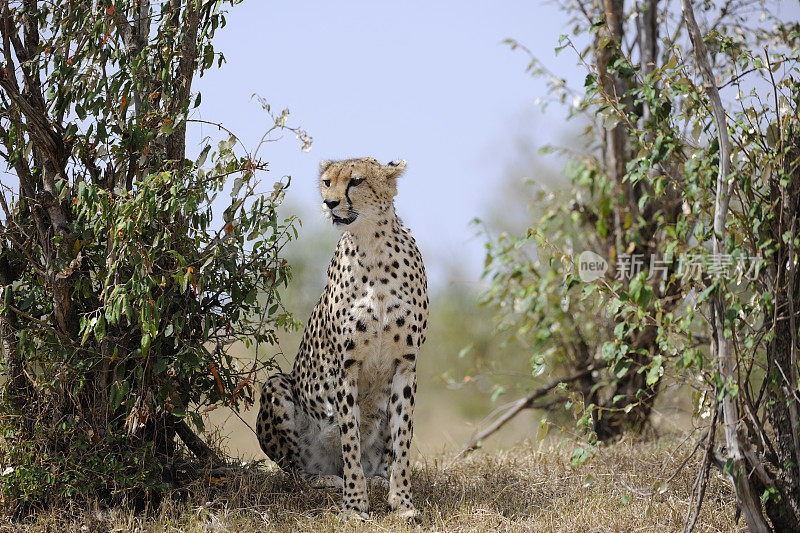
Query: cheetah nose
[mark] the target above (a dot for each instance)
(331, 203)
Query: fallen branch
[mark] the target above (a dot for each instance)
(514, 408)
(196, 445)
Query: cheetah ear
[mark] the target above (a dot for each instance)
(323, 166)
(395, 168)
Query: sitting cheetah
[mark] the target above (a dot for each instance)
(345, 411)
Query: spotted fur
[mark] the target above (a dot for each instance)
(345, 412)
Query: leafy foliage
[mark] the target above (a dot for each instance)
(128, 271)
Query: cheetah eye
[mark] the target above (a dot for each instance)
(327, 183)
(356, 181)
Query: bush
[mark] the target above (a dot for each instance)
(124, 281)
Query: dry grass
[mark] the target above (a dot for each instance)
(524, 489)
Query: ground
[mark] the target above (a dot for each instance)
(531, 487)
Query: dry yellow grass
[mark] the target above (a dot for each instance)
(523, 489)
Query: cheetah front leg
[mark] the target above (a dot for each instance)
(401, 426)
(354, 493)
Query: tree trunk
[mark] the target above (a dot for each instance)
(17, 389)
(782, 405)
(632, 411)
(638, 396)
(783, 512)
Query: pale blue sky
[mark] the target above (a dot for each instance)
(429, 82)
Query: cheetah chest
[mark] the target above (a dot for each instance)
(378, 330)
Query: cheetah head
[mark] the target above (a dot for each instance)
(358, 191)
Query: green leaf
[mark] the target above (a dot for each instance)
(773, 135)
(580, 455)
(119, 392)
(208, 57)
(498, 391)
(202, 158)
(622, 366)
(88, 329)
(159, 365)
(609, 350)
(8, 293)
(100, 328)
(145, 343)
(656, 370)
(640, 292)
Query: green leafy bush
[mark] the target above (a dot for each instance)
(128, 273)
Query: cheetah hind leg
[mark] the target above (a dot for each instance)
(381, 476)
(275, 425)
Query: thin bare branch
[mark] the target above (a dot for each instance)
(176, 147)
(196, 445)
(517, 406)
(701, 483)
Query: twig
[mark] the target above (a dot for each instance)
(525, 402)
(64, 337)
(751, 70)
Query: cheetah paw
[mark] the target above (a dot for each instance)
(352, 514)
(402, 507)
(407, 513)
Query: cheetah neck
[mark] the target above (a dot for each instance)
(370, 236)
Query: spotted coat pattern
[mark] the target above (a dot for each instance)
(345, 412)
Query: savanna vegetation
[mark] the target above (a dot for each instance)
(133, 312)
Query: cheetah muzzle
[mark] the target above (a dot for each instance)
(345, 412)
(343, 221)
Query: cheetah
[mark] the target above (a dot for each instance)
(345, 412)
